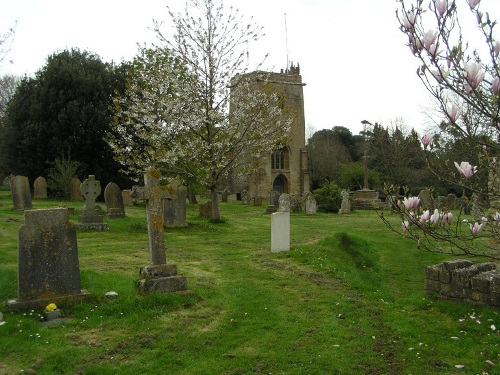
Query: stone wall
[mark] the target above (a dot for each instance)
(463, 280)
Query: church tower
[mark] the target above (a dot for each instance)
(286, 169)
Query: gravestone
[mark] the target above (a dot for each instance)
(449, 202)
(114, 201)
(127, 198)
(225, 195)
(345, 206)
(74, 189)
(40, 188)
(6, 181)
(257, 201)
(90, 217)
(174, 207)
(158, 276)
(245, 197)
(280, 232)
(205, 209)
(295, 203)
(310, 206)
(275, 198)
(284, 203)
(426, 200)
(477, 207)
(48, 260)
(21, 194)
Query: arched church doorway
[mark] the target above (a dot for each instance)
(280, 184)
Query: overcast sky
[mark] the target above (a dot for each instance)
(352, 56)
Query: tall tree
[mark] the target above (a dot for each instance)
(181, 113)
(62, 112)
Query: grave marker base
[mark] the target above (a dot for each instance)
(161, 278)
(41, 303)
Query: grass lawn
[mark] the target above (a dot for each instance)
(348, 298)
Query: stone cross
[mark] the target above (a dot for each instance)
(154, 195)
(90, 190)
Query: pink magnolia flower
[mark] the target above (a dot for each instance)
(424, 217)
(474, 3)
(429, 38)
(405, 225)
(447, 218)
(441, 7)
(427, 140)
(440, 74)
(476, 228)
(496, 48)
(466, 169)
(495, 85)
(454, 113)
(434, 219)
(409, 20)
(411, 203)
(474, 74)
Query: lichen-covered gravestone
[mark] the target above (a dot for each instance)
(310, 206)
(157, 276)
(74, 189)
(40, 188)
(174, 207)
(345, 206)
(21, 194)
(90, 216)
(284, 203)
(48, 260)
(114, 201)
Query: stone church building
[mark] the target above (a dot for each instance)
(286, 169)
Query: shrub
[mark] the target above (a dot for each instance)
(328, 197)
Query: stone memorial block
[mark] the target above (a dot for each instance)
(280, 232)
(205, 209)
(449, 202)
(310, 206)
(345, 206)
(114, 201)
(91, 215)
(284, 203)
(21, 194)
(48, 259)
(127, 198)
(257, 201)
(74, 189)
(174, 207)
(40, 188)
(6, 182)
(157, 276)
(225, 195)
(295, 203)
(427, 200)
(245, 197)
(275, 198)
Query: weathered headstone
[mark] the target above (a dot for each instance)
(40, 188)
(284, 203)
(280, 231)
(310, 206)
(90, 216)
(275, 198)
(114, 201)
(295, 203)
(6, 181)
(174, 207)
(48, 260)
(127, 198)
(158, 276)
(74, 188)
(205, 209)
(427, 200)
(449, 202)
(21, 194)
(257, 201)
(225, 195)
(345, 206)
(245, 197)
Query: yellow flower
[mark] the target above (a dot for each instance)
(51, 307)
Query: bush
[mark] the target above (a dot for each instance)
(328, 197)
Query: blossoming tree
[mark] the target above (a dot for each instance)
(465, 81)
(175, 115)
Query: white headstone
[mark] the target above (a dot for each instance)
(280, 232)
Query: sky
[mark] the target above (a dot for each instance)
(353, 58)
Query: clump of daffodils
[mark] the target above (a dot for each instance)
(51, 307)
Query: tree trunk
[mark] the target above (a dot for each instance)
(215, 205)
